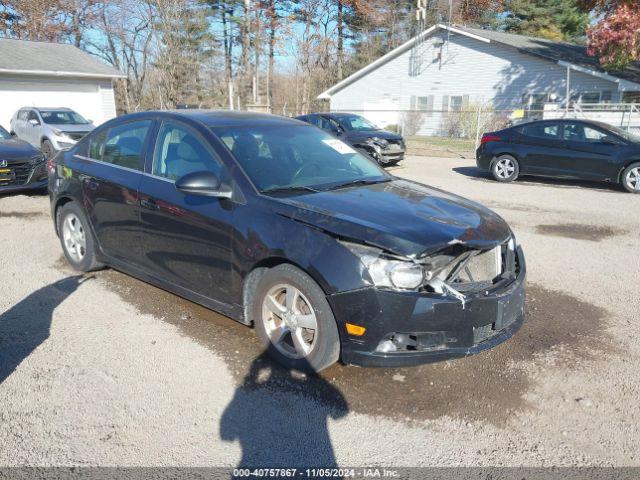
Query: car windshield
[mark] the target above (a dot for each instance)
(291, 158)
(624, 134)
(4, 135)
(62, 117)
(356, 122)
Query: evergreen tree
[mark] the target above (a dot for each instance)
(553, 19)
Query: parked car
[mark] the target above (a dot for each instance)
(50, 129)
(563, 149)
(22, 167)
(387, 148)
(279, 225)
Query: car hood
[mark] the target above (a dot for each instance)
(14, 148)
(72, 128)
(376, 133)
(400, 216)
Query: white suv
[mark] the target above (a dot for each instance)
(50, 129)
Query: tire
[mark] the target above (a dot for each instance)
(275, 292)
(505, 168)
(631, 178)
(47, 149)
(76, 238)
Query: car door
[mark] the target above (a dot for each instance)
(186, 238)
(32, 127)
(18, 123)
(541, 149)
(590, 154)
(110, 179)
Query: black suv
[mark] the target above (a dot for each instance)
(387, 148)
(281, 226)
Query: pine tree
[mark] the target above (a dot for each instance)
(553, 19)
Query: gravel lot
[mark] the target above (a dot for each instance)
(105, 370)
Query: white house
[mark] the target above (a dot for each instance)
(446, 69)
(40, 74)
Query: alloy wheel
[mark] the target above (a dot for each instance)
(505, 168)
(75, 240)
(633, 179)
(289, 321)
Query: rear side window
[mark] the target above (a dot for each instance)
(121, 145)
(577, 132)
(541, 130)
(180, 151)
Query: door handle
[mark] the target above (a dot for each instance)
(150, 204)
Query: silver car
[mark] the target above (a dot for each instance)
(50, 129)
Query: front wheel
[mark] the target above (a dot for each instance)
(77, 241)
(505, 168)
(294, 320)
(48, 150)
(631, 178)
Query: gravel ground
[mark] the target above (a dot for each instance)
(103, 369)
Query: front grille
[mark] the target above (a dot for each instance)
(20, 172)
(480, 334)
(75, 135)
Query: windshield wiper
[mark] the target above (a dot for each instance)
(359, 182)
(293, 188)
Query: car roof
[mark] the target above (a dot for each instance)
(563, 120)
(227, 118)
(48, 109)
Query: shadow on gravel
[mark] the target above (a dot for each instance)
(279, 416)
(560, 331)
(476, 173)
(25, 326)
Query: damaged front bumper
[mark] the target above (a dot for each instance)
(422, 327)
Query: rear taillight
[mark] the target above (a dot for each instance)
(487, 137)
(51, 166)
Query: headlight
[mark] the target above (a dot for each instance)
(388, 272)
(57, 132)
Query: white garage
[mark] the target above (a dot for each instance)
(40, 74)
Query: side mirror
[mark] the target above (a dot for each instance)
(34, 122)
(206, 184)
(89, 121)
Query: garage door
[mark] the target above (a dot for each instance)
(83, 97)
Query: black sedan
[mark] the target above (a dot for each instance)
(279, 225)
(22, 167)
(387, 148)
(563, 149)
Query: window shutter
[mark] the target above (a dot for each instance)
(445, 103)
(465, 102)
(413, 103)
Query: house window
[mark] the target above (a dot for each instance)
(423, 104)
(455, 103)
(590, 97)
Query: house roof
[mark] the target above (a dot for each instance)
(563, 53)
(25, 57)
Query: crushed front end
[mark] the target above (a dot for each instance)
(466, 301)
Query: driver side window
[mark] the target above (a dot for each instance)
(180, 151)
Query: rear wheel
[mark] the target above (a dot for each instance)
(48, 150)
(77, 241)
(505, 168)
(294, 321)
(631, 178)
